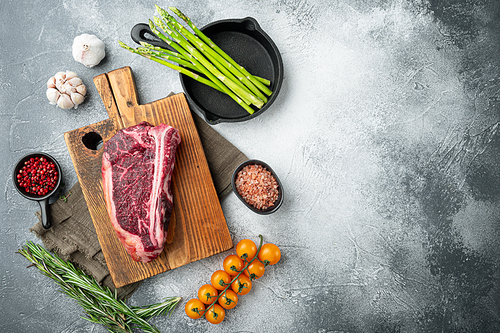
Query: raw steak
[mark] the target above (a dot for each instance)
(137, 167)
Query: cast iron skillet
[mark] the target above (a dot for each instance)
(248, 45)
(43, 201)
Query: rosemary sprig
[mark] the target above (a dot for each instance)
(100, 304)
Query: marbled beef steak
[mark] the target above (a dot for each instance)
(137, 167)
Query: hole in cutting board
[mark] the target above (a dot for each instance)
(92, 140)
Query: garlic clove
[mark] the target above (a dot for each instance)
(59, 79)
(64, 102)
(88, 50)
(68, 88)
(74, 82)
(77, 99)
(51, 83)
(70, 75)
(60, 76)
(81, 89)
(53, 95)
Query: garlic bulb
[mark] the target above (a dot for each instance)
(66, 90)
(88, 50)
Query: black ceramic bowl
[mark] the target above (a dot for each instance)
(43, 200)
(278, 201)
(249, 46)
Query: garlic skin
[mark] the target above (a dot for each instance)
(66, 90)
(88, 50)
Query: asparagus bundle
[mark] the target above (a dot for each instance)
(199, 58)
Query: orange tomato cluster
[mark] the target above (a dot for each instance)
(235, 279)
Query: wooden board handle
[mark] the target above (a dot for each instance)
(121, 84)
(103, 87)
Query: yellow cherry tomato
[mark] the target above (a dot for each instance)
(232, 264)
(220, 279)
(194, 308)
(270, 254)
(228, 299)
(255, 270)
(242, 285)
(215, 314)
(207, 293)
(246, 249)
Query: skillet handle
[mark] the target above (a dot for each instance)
(142, 33)
(44, 212)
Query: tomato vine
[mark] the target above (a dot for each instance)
(218, 296)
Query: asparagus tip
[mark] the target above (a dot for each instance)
(159, 9)
(152, 25)
(179, 13)
(174, 9)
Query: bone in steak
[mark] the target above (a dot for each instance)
(137, 167)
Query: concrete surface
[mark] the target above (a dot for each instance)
(385, 136)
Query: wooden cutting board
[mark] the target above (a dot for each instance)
(197, 228)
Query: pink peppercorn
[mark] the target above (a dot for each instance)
(38, 176)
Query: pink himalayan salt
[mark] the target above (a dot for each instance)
(257, 186)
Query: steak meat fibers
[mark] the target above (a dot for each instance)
(137, 167)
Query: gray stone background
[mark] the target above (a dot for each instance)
(385, 136)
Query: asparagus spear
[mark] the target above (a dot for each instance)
(174, 67)
(166, 54)
(208, 41)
